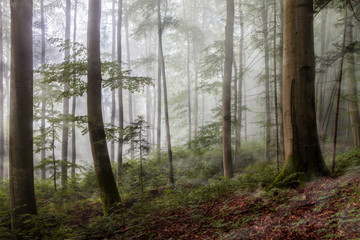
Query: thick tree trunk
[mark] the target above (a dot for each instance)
(302, 149)
(105, 178)
(120, 98)
(350, 77)
(166, 109)
(267, 81)
(22, 195)
(65, 128)
(226, 94)
(73, 110)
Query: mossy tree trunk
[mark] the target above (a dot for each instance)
(105, 178)
(302, 149)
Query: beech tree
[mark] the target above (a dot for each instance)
(302, 149)
(2, 142)
(104, 176)
(226, 99)
(22, 195)
(65, 130)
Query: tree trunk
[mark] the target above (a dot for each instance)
(22, 194)
(65, 128)
(120, 98)
(105, 178)
(267, 81)
(188, 76)
(113, 97)
(281, 82)
(226, 92)
(131, 96)
(275, 94)
(350, 77)
(2, 142)
(158, 129)
(241, 78)
(302, 149)
(73, 110)
(166, 109)
(43, 93)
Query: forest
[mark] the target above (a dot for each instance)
(179, 119)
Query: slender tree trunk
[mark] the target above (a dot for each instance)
(241, 78)
(73, 110)
(65, 128)
(43, 93)
(275, 94)
(113, 97)
(166, 109)
(302, 149)
(350, 77)
(105, 178)
(226, 95)
(188, 76)
(158, 132)
(338, 95)
(282, 147)
(267, 81)
(22, 194)
(2, 142)
(131, 95)
(120, 97)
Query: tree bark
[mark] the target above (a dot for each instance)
(166, 109)
(65, 127)
(105, 178)
(226, 92)
(302, 149)
(22, 194)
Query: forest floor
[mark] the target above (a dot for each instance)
(328, 208)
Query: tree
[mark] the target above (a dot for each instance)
(2, 142)
(113, 56)
(166, 108)
(120, 95)
(105, 178)
(43, 94)
(73, 110)
(22, 195)
(226, 94)
(267, 81)
(350, 77)
(65, 130)
(302, 150)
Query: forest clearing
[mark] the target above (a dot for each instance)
(179, 119)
